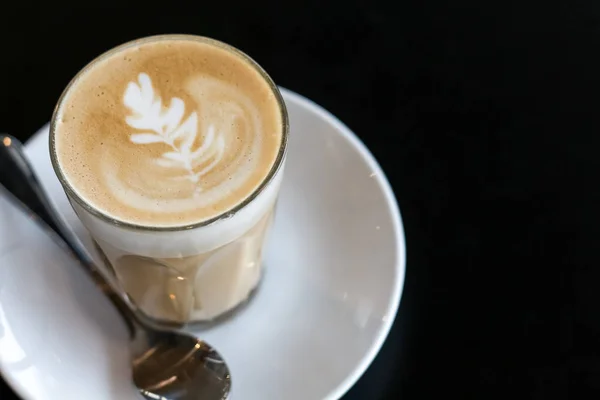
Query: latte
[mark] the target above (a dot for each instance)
(168, 132)
(171, 151)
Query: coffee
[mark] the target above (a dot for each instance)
(199, 287)
(171, 150)
(169, 132)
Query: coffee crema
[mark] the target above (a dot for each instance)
(168, 132)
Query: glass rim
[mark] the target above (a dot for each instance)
(277, 164)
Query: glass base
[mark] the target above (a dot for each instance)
(191, 325)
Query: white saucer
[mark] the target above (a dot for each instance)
(335, 271)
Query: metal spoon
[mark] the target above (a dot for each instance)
(167, 365)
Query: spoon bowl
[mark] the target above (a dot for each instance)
(176, 366)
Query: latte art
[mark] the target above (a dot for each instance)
(204, 154)
(167, 126)
(168, 133)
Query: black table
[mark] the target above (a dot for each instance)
(485, 118)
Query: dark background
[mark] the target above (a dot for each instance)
(484, 117)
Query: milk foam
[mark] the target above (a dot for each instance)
(168, 133)
(188, 158)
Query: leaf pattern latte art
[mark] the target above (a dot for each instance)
(158, 124)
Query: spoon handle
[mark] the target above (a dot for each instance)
(18, 178)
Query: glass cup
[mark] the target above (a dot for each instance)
(191, 273)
